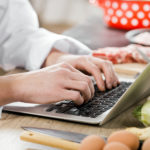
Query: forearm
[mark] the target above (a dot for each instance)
(7, 90)
(53, 57)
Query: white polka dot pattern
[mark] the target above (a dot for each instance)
(119, 13)
(135, 7)
(107, 3)
(134, 22)
(114, 19)
(140, 15)
(110, 11)
(115, 5)
(124, 6)
(146, 7)
(123, 21)
(145, 22)
(130, 14)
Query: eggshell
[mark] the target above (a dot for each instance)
(92, 142)
(146, 145)
(116, 146)
(125, 137)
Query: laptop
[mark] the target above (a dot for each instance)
(100, 109)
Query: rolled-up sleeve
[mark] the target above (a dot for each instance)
(26, 45)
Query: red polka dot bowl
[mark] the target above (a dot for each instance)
(125, 14)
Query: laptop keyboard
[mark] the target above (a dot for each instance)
(101, 102)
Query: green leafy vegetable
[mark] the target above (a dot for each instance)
(137, 112)
(142, 113)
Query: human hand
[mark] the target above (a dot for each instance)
(53, 84)
(88, 64)
(95, 67)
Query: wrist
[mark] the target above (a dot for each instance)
(52, 58)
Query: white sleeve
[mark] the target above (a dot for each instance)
(23, 43)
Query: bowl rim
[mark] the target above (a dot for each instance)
(132, 33)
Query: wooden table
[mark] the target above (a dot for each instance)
(10, 124)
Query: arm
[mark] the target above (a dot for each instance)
(23, 43)
(7, 93)
(47, 85)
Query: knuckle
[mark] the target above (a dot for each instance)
(88, 79)
(84, 86)
(76, 96)
(95, 69)
(65, 65)
(63, 71)
(83, 59)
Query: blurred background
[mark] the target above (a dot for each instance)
(60, 15)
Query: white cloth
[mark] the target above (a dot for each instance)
(23, 43)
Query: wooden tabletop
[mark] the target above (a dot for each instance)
(10, 124)
(10, 128)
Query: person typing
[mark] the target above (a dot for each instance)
(59, 65)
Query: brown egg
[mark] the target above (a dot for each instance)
(125, 137)
(92, 142)
(146, 145)
(116, 146)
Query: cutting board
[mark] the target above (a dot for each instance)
(129, 68)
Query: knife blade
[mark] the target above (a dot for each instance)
(70, 136)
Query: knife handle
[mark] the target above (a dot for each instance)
(48, 141)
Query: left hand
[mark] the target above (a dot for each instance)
(91, 65)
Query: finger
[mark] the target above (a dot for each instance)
(92, 69)
(110, 75)
(68, 66)
(79, 76)
(80, 86)
(108, 70)
(82, 77)
(74, 96)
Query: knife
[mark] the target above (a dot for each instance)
(38, 136)
(53, 138)
(70, 136)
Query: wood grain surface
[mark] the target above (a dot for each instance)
(131, 69)
(10, 128)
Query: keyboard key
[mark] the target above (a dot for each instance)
(101, 102)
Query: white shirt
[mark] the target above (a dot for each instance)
(23, 43)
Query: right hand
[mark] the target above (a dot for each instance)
(52, 84)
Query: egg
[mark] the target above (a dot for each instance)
(125, 137)
(116, 146)
(146, 145)
(92, 142)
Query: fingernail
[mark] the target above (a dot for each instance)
(109, 86)
(103, 88)
(115, 84)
